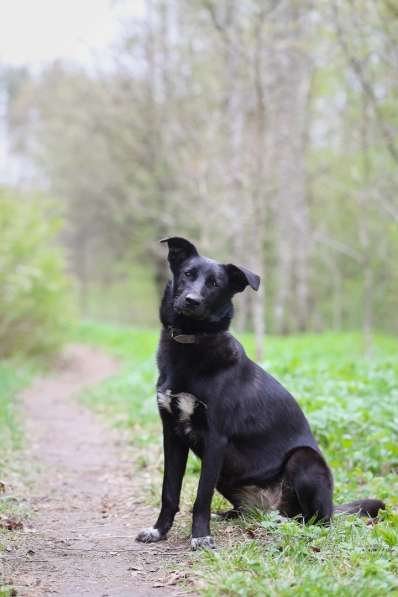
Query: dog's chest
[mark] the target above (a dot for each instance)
(188, 412)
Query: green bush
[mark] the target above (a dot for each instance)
(35, 294)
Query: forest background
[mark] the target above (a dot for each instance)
(264, 130)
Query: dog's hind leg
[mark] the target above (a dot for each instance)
(309, 487)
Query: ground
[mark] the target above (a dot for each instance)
(86, 503)
(94, 479)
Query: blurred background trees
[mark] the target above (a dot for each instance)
(36, 305)
(266, 130)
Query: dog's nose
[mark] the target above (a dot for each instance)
(192, 300)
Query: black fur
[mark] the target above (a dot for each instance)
(249, 432)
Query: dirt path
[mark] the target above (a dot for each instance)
(87, 504)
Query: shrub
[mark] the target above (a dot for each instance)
(35, 293)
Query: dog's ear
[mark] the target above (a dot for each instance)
(240, 277)
(180, 249)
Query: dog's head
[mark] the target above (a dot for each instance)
(202, 288)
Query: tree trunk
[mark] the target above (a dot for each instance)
(287, 96)
(364, 236)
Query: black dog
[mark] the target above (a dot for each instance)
(254, 441)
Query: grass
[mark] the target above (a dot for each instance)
(14, 375)
(352, 404)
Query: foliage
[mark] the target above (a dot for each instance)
(129, 298)
(13, 376)
(6, 591)
(276, 119)
(351, 402)
(35, 294)
(285, 558)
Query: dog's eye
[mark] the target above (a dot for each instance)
(211, 283)
(188, 274)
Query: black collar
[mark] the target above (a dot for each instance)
(177, 335)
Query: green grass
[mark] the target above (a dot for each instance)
(14, 375)
(130, 298)
(352, 404)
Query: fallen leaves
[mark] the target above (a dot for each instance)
(106, 507)
(173, 579)
(10, 524)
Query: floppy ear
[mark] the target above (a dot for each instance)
(240, 277)
(180, 249)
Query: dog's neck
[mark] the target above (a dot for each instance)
(178, 324)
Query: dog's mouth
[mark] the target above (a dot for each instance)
(192, 312)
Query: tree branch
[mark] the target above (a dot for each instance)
(366, 87)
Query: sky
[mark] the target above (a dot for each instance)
(35, 32)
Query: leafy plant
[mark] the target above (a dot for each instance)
(350, 401)
(35, 293)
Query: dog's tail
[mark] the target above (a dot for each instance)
(367, 507)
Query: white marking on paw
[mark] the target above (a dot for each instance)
(164, 400)
(149, 535)
(202, 543)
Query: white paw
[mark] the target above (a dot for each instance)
(149, 535)
(202, 543)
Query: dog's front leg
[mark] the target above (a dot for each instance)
(212, 459)
(175, 460)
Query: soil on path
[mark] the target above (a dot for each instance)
(86, 501)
